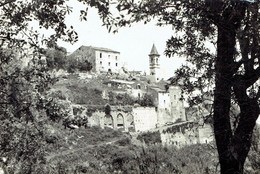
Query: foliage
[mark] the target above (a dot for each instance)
(107, 110)
(56, 58)
(84, 95)
(146, 100)
(84, 66)
(150, 137)
(23, 115)
(108, 151)
(180, 128)
(232, 69)
(120, 99)
(126, 99)
(81, 66)
(25, 106)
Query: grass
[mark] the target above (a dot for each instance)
(96, 150)
(81, 91)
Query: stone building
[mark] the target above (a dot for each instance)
(102, 59)
(177, 105)
(145, 118)
(154, 64)
(170, 107)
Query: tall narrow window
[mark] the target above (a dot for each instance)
(108, 63)
(116, 64)
(116, 57)
(100, 62)
(100, 55)
(109, 56)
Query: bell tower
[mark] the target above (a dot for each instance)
(154, 64)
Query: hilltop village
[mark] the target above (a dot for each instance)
(135, 102)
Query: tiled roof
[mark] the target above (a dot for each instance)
(98, 49)
(104, 49)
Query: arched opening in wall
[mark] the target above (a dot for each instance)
(120, 122)
(130, 122)
(108, 121)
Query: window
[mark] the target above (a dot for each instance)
(108, 63)
(109, 56)
(174, 97)
(116, 57)
(116, 64)
(164, 101)
(100, 55)
(100, 62)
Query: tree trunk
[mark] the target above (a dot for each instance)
(232, 148)
(222, 97)
(249, 112)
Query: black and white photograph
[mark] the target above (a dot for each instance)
(129, 86)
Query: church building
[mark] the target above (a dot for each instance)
(154, 64)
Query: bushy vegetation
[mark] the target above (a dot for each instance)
(56, 58)
(82, 66)
(146, 100)
(85, 95)
(123, 157)
(120, 99)
(125, 99)
(150, 137)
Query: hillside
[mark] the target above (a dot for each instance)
(94, 150)
(80, 91)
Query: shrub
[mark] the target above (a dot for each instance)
(150, 137)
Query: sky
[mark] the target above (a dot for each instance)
(134, 43)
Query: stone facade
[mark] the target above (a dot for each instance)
(186, 133)
(170, 107)
(145, 118)
(177, 105)
(118, 120)
(154, 60)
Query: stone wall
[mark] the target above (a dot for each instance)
(116, 119)
(177, 106)
(145, 118)
(180, 134)
(186, 133)
(131, 119)
(164, 116)
(206, 133)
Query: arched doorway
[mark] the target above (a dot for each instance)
(108, 121)
(120, 121)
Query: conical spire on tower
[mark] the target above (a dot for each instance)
(154, 51)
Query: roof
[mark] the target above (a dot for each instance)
(104, 49)
(158, 89)
(120, 81)
(154, 51)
